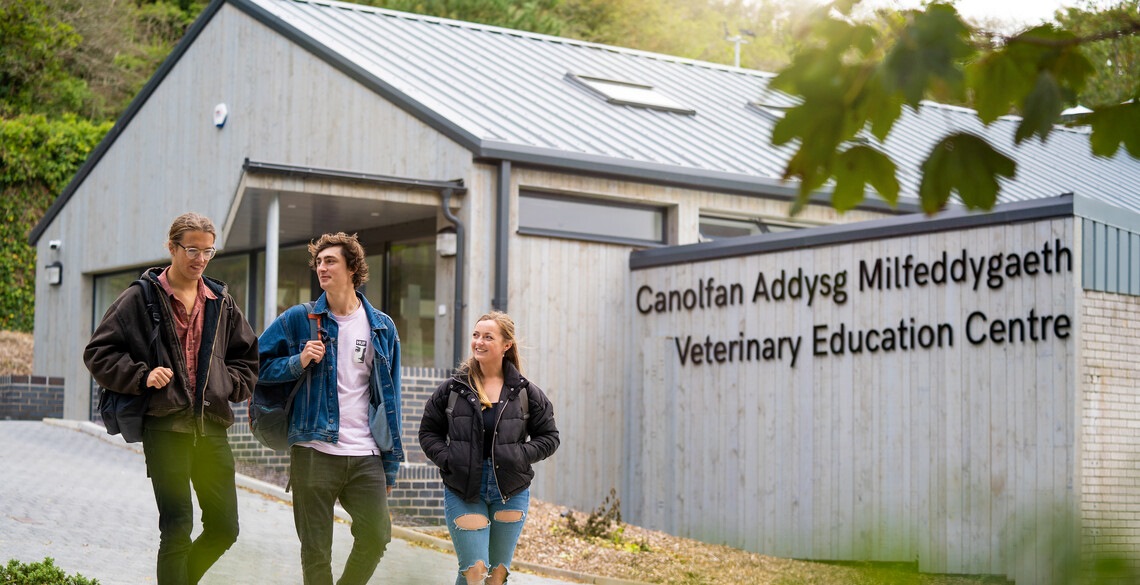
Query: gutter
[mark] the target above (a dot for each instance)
(457, 316)
(502, 229)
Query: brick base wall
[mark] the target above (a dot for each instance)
(418, 490)
(1110, 410)
(30, 397)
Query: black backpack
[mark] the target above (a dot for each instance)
(271, 404)
(123, 414)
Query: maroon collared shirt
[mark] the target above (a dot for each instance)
(188, 327)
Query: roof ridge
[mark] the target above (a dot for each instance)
(529, 35)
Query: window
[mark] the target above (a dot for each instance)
(296, 282)
(626, 93)
(108, 287)
(719, 228)
(232, 270)
(411, 298)
(590, 219)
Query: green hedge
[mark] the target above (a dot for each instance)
(41, 573)
(38, 157)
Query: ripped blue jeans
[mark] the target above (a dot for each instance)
(494, 543)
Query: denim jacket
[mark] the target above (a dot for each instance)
(316, 416)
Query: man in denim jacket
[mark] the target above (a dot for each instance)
(344, 431)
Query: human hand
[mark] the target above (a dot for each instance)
(314, 351)
(159, 377)
(389, 488)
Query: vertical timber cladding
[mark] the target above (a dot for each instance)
(898, 399)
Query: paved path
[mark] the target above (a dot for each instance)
(87, 503)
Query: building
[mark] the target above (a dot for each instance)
(489, 168)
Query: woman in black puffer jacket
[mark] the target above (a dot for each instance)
(499, 424)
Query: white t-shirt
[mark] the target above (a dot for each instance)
(354, 354)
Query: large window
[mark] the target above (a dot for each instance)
(232, 270)
(590, 219)
(411, 299)
(294, 282)
(108, 287)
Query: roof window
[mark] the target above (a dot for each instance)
(625, 93)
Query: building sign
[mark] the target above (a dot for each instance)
(865, 281)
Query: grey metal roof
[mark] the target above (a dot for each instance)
(505, 94)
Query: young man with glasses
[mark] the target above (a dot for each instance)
(207, 358)
(344, 429)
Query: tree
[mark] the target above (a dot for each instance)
(539, 16)
(853, 79)
(1115, 60)
(34, 48)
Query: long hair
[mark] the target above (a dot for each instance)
(353, 254)
(190, 222)
(470, 368)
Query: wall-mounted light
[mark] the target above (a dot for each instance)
(446, 242)
(54, 273)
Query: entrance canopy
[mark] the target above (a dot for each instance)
(313, 201)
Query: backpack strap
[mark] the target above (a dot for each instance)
(452, 397)
(155, 315)
(314, 333)
(524, 402)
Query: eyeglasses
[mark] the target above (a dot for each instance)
(193, 253)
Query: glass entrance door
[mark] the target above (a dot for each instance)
(408, 297)
(401, 283)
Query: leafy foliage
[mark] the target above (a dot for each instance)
(855, 78)
(539, 16)
(37, 158)
(41, 573)
(33, 62)
(1114, 57)
(685, 28)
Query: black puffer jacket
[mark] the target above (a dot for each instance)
(458, 450)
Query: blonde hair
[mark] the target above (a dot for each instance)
(351, 249)
(470, 368)
(190, 222)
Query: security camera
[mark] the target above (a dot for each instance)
(55, 244)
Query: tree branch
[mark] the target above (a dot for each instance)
(1132, 27)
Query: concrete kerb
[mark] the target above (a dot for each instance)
(403, 533)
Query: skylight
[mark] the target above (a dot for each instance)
(626, 93)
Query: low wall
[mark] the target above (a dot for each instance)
(30, 397)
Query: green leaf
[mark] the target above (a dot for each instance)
(1041, 110)
(966, 164)
(928, 54)
(883, 108)
(998, 81)
(1113, 126)
(859, 166)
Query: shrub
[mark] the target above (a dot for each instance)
(605, 523)
(41, 573)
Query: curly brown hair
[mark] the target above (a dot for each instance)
(350, 248)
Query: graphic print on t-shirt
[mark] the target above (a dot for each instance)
(358, 353)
